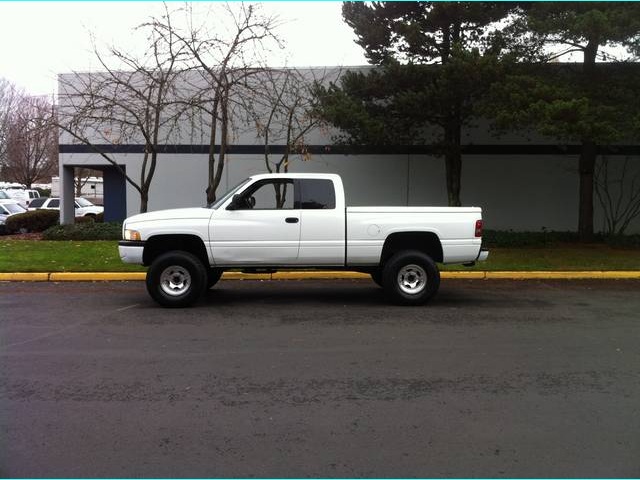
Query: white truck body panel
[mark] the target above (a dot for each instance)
(369, 227)
(254, 237)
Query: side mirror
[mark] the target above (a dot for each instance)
(235, 201)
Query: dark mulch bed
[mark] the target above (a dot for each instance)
(23, 236)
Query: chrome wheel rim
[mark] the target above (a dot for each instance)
(175, 280)
(412, 279)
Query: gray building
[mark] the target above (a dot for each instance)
(522, 182)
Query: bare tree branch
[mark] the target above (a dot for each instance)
(31, 141)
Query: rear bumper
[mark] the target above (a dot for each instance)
(482, 256)
(131, 251)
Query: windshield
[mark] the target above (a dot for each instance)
(3, 195)
(14, 208)
(83, 202)
(228, 194)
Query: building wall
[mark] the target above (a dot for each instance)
(518, 192)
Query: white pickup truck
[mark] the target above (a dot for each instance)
(299, 221)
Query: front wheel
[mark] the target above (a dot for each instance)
(410, 278)
(176, 279)
(213, 275)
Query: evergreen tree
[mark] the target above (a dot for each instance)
(435, 61)
(588, 102)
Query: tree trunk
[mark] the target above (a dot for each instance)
(224, 133)
(453, 162)
(211, 189)
(588, 154)
(586, 168)
(144, 200)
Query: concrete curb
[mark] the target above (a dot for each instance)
(311, 275)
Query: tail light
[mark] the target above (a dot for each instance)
(478, 228)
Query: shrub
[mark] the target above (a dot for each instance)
(85, 219)
(624, 241)
(100, 217)
(34, 221)
(85, 231)
(509, 238)
(44, 192)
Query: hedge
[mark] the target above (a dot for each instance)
(34, 221)
(509, 238)
(84, 231)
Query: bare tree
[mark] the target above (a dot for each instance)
(131, 101)
(282, 106)
(31, 141)
(8, 96)
(82, 177)
(619, 195)
(226, 47)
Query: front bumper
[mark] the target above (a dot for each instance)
(131, 251)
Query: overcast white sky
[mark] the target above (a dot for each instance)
(38, 40)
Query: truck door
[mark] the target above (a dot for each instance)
(263, 230)
(322, 234)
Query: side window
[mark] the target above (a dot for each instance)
(270, 195)
(54, 203)
(37, 202)
(317, 194)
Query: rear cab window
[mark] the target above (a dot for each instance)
(317, 194)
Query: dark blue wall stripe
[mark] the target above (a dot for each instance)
(363, 150)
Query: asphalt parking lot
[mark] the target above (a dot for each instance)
(323, 379)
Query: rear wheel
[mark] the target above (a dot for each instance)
(410, 278)
(176, 279)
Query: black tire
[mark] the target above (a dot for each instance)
(176, 279)
(213, 275)
(376, 276)
(410, 278)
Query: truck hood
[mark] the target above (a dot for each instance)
(172, 214)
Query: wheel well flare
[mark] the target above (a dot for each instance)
(159, 244)
(425, 242)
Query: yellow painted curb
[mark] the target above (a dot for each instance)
(24, 277)
(563, 275)
(465, 275)
(245, 276)
(96, 276)
(315, 275)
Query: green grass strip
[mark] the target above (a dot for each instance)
(102, 256)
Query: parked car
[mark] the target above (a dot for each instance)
(4, 195)
(84, 208)
(23, 196)
(8, 207)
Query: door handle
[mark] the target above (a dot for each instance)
(291, 220)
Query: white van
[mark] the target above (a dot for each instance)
(22, 196)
